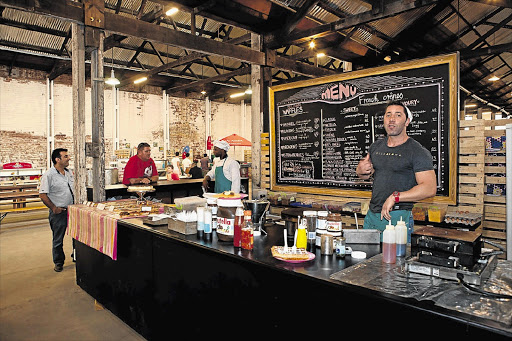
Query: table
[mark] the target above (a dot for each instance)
(163, 283)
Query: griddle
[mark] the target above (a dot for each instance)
(446, 247)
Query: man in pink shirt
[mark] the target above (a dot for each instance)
(141, 168)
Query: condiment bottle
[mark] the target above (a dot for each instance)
(340, 246)
(247, 232)
(388, 244)
(207, 224)
(401, 237)
(302, 238)
(239, 221)
(311, 220)
(200, 221)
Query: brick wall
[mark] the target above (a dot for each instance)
(23, 119)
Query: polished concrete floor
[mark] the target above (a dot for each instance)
(37, 303)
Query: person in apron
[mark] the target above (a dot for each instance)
(225, 172)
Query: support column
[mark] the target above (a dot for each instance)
(50, 122)
(78, 76)
(98, 116)
(256, 115)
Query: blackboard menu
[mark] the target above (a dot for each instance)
(321, 129)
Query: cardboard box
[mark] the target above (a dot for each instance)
(182, 227)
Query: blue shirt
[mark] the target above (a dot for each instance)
(58, 187)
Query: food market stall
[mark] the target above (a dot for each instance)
(163, 281)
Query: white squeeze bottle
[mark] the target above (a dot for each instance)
(401, 237)
(388, 244)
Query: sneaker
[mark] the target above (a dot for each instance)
(58, 267)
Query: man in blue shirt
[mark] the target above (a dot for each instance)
(56, 192)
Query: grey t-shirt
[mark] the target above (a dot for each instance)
(58, 187)
(395, 169)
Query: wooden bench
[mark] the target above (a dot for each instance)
(4, 212)
(18, 196)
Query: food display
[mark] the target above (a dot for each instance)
(290, 253)
(129, 208)
(463, 217)
(419, 212)
(141, 188)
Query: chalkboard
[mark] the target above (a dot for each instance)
(321, 128)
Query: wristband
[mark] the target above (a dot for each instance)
(396, 194)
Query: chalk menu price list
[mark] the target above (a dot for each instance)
(344, 142)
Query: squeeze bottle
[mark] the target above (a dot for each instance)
(401, 237)
(239, 220)
(302, 238)
(388, 244)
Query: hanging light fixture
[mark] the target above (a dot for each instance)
(171, 11)
(140, 80)
(112, 80)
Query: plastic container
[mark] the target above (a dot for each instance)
(200, 221)
(389, 244)
(302, 237)
(436, 213)
(401, 237)
(247, 232)
(311, 220)
(237, 233)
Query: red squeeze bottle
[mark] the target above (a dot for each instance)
(239, 220)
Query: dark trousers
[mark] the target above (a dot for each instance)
(58, 224)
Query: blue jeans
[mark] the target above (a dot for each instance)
(373, 221)
(58, 224)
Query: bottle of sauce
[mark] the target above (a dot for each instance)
(302, 237)
(389, 244)
(207, 224)
(247, 232)
(311, 222)
(401, 237)
(237, 233)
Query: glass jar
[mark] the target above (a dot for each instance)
(333, 224)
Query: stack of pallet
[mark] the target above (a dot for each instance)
(265, 161)
(471, 166)
(495, 209)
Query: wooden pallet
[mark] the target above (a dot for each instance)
(265, 161)
(495, 209)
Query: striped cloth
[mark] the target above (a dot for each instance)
(93, 227)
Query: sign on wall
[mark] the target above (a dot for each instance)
(321, 128)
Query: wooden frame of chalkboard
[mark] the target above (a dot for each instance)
(320, 128)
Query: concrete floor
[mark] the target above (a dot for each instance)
(37, 303)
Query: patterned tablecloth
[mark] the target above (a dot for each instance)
(93, 227)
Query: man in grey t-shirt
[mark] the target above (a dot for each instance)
(56, 192)
(402, 169)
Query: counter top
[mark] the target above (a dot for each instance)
(321, 267)
(157, 184)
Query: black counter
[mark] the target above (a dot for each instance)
(164, 282)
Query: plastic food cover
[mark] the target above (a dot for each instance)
(394, 279)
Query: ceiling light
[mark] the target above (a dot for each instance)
(249, 90)
(171, 11)
(238, 94)
(320, 55)
(140, 80)
(311, 44)
(494, 78)
(387, 58)
(112, 80)
(203, 92)
(471, 105)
